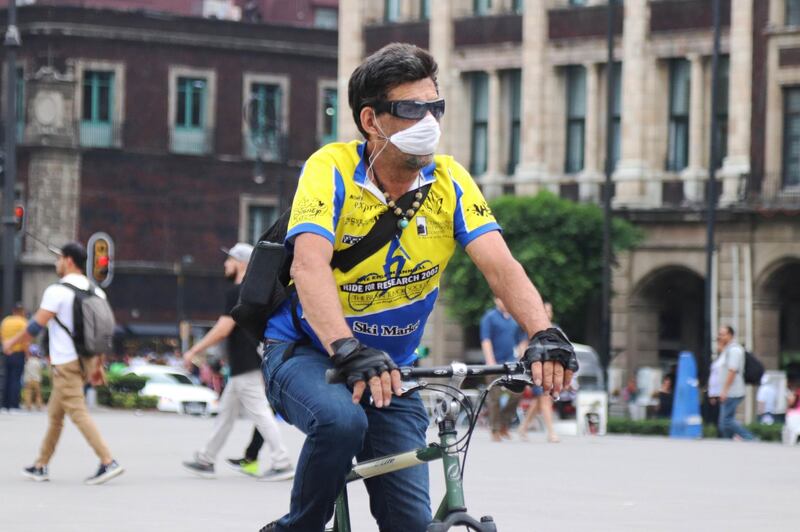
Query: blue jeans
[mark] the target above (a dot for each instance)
(337, 431)
(728, 426)
(15, 364)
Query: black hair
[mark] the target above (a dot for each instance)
(730, 330)
(393, 65)
(77, 253)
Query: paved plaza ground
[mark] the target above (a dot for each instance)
(608, 483)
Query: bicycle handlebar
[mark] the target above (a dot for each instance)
(456, 368)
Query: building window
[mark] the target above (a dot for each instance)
(328, 106)
(679, 94)
(259, 219)
(577, 2)
(96, 129)
(518, 6)
(265, 114)
(793, 12)
(576, 118)
(391, 10)
(326, 18)
(425, 9)
(721, 132)
(191, 101)
(791, 137)
(481, 7)
(515, 114)
(480, 123)
(616, 114)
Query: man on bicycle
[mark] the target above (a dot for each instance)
(369, 320)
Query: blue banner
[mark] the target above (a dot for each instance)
(686, 420)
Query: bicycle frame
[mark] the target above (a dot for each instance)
(452, 511)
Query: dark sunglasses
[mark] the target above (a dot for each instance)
(411, 109)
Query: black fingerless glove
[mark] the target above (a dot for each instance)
(551, 344)
(354, 361)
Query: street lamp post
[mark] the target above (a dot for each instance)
(605, 314)
(711, 192)
(12, 43)
(180, 271)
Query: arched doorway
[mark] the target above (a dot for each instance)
(777, 317)
(666, 317)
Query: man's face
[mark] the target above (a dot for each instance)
(60, 267)
(230, 268)
(423, 90)
(724, 337)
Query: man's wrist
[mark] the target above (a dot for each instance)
(344, 347)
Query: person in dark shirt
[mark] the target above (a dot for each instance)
(245, 389)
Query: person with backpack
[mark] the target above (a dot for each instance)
(732, 377)
(77, 317)
(363, 316)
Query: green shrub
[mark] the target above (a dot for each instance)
(126, 383)
(660, 427)
(146, 402)
(103, 395)
(766, 432)
(124, 399)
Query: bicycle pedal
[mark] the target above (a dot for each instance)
(487, 519)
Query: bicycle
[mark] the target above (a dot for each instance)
(452, 511)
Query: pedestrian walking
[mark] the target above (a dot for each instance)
(732, 379)
(10, 327)
(502, 340)
(69, 372)
(245, 389)
(542, 403)
(32, 381)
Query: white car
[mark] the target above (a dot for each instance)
(177, 391)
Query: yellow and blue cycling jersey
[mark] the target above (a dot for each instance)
(388, 297)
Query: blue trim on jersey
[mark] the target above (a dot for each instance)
(360, 174)
(459, 225)
(338, 196)
(382, 330)
(482, 230)
(308, 228)
(428, 174)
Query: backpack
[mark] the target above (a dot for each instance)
(93, 321)
(753, 369)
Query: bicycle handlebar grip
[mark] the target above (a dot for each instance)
(332, 376)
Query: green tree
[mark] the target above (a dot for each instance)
(557, 241)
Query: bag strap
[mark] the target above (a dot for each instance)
(77, 323)
(377, 237)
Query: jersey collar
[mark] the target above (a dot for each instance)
(427, 175)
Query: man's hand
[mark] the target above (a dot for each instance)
(723, 397)
(551, 359)
(358, 365)
(7, 345)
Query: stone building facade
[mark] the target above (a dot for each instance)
(174, 135)
(525, 82)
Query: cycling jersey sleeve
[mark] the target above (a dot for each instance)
(472, 217)
(317, 202)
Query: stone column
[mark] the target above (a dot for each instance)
(441, 47)
(351, 53)
(494, 161)
(532, 168)
(589, 179)
(632, 169)
(694, 175)
(737, 162)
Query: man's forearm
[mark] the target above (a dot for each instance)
(319, 296)
(488, 352)
(212, 337)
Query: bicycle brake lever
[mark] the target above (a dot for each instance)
(410, 387)
(515, 384)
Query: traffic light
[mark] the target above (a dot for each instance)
(100, 259)
(19, 216)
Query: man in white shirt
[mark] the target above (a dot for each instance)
(68, 370)
(732, 378)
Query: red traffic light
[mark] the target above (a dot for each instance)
(102, 261)
(19, 216)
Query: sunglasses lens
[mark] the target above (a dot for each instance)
(411, 110)
(437, 109)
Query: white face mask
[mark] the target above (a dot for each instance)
(419, 139)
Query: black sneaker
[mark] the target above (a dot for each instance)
(200, 468)
(105, 473)
(37, 474)
(271, 527)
